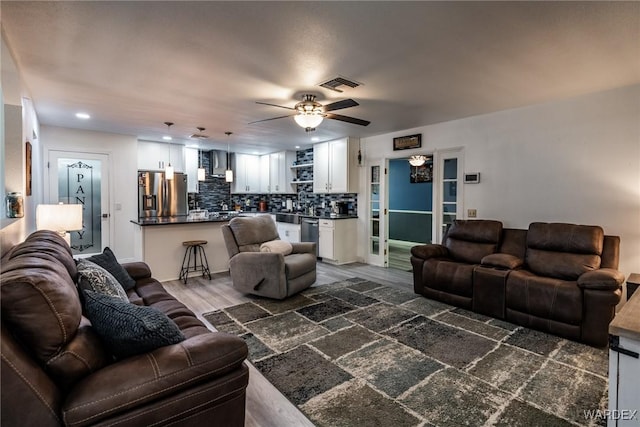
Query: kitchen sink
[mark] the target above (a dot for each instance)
(289, 218)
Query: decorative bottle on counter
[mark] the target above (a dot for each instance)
(15, 205)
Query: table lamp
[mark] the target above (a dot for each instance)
(60, 218)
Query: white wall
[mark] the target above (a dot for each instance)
(574, 160)
(122, 151)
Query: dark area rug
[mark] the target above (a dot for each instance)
(357, 353)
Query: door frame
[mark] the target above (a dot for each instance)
(106, 199)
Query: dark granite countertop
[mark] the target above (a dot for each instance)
(180, 220)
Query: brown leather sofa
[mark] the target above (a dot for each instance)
(56, 371)
(554, 277)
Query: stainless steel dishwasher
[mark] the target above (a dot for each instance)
(309, 231)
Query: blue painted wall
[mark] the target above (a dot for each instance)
(404, 195)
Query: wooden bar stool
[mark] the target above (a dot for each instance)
(200, 263)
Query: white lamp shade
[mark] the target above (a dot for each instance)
(200, 174)
(168, 172)
(308, 120)
(228, 175)
(60, 218)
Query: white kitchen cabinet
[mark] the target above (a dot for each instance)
(335, 166)
(265, 169)
(624, 365)
(191, 163)
(155, 156)
(246, 174)
(275, 173)
(337, 240)
(289, 232)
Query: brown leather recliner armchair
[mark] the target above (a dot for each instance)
(270, 274)
(57, 371)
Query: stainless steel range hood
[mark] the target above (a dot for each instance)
(219, 161)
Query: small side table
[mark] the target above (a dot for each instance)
(633, 282)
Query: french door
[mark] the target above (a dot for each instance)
(376, 212)
(82, 178)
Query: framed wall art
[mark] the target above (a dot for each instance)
(407, 142)
(28, 168)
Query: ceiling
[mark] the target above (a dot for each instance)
(134, 65)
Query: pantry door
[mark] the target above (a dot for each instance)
(82, 178)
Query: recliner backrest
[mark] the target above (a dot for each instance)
(563, 251)
(471, 240)
(250, 232)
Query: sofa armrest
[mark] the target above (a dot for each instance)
(137, 270)
(429, 251)
(502, 261)
(601, 279)
(136, 381)
(304, 247)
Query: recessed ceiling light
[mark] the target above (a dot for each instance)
(256, 152)
(315, 139)
(167, 138)
(83, 116)
(297, 146)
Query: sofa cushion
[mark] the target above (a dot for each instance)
(251, 232)
(108, 261)
(39, 298)
(563, 251)
(95, 278)
(544, 297)
(470, 241)
(128, 329)
(279, 246)
(448, 276)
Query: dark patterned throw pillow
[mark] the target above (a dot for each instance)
(108, 261)
(95, 278)
(128, 329)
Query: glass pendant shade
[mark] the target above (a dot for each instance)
(228, 175)
(308, 119)
(417, 160)
(201, 174)
(168, 172)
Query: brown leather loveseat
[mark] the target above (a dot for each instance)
(57, 371)
(554, 277)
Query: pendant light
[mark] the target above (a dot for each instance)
(201, 173)
(168, 171)
(228, 174)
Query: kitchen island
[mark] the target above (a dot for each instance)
(159, 241)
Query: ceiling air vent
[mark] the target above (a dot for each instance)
(339, 81)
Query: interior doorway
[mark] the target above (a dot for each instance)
(410, 209)
(82, 178)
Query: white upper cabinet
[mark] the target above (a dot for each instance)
(155, 156)
(334, 166)
(191, 163)
(246, 174)
(275, 173)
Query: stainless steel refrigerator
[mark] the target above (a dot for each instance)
(161, 197)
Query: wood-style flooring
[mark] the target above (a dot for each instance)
(266, 406)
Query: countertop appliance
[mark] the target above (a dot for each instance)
(161, 197)
(309, 231)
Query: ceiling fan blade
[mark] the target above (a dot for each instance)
(347, 119)
(274, 105)
(273, 118)
(339, 105)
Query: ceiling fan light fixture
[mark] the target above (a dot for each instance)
(308, 119)
(417, 160)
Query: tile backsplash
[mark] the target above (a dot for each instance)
(215, 192)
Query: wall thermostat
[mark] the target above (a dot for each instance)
(472, 178)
